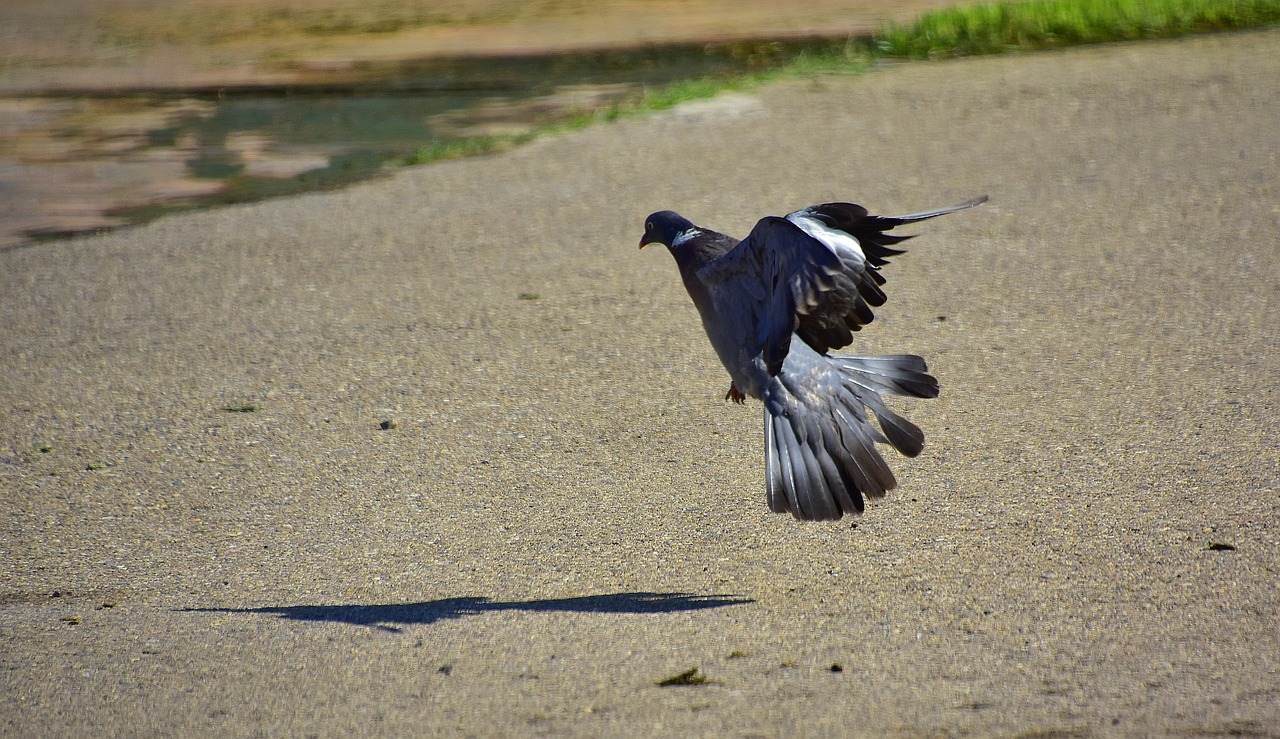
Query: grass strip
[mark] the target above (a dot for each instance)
(995, 28)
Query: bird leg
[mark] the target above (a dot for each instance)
(735, 394)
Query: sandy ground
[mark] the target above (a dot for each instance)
(567, 512)
(70, 45)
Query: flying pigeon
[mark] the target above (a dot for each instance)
(774, 305)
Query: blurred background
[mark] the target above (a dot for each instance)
(116, 111)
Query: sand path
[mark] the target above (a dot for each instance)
(567, 511)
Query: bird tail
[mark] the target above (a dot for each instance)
(820, 454)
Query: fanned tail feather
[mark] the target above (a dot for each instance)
(820, 456)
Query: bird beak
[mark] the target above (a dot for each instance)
(645, 241)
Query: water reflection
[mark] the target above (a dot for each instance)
(86, 163)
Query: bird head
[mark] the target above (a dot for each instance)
(663, 227)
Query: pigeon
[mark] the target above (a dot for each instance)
(774, 305)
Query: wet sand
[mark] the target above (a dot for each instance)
(566, 512)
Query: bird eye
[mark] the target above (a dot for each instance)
(648, 226)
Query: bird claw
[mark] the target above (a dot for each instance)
(735, 394)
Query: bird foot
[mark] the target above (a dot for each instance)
(735, 394)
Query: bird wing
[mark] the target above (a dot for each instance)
(814, 273)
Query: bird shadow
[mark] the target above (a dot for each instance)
(392, 616)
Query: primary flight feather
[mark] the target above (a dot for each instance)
(774, 305)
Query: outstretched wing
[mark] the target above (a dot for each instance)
(814, 273)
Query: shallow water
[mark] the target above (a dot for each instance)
(81, 164)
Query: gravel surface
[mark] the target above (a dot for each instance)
(564, 511)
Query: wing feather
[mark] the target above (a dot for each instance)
(814, 273)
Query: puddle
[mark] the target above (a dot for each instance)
(91, 162)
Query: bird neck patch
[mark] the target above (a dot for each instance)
(685, 235)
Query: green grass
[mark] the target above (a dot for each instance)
(467, 147)
(985, 28)
(994, 28)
